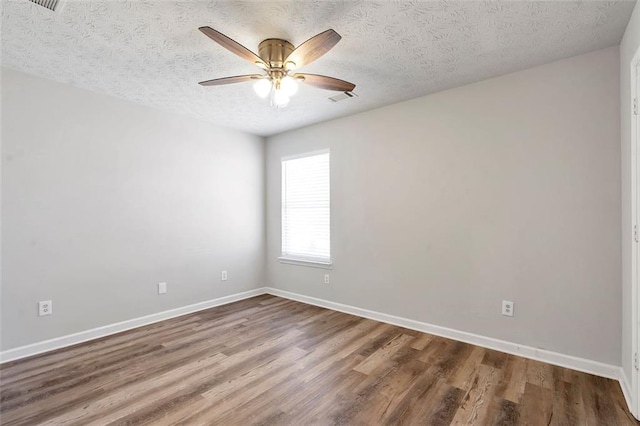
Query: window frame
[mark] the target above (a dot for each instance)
(302, 260)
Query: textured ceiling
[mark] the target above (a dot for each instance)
(151, 52)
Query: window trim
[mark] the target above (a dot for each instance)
(305, 154)
(289, 259)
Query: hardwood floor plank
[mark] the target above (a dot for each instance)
(255, 375)
(464, 374)
(448, 362)
(476, 403)
(421, 341)
(273, 361)
(130, 390)
(382, 354)
(323, 357)
(270, 379)
(383, 390)
(426, 385)
(540, 374)
(445, 407)
(507, 414)
(19, 371)
(494, 359)
(602, 399)
(566, 403)
(515, 372)
(537, 405)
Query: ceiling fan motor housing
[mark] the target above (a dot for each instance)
(274, 51)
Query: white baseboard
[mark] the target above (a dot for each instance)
(626, 390)
(95, 333)
(555, 358)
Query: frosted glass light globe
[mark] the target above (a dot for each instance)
(289, 85)
(262, 87)
(280, 99)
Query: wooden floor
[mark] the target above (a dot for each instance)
(271, 361)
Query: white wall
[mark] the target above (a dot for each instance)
(103, 199)
(445, 205)
(441, 207)
(630, 43)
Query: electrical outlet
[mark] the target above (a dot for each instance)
(162, 288)
(507, 308)
(326, 278)
(45, 308)
(223, 276)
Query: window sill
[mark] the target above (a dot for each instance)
(306, 262)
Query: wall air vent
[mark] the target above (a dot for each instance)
(53, 5)
(342, 96)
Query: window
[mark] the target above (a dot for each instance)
(306, 216)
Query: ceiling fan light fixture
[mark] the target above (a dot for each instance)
(262, 87)
(279, 99)
(289, 85)
(278, 58)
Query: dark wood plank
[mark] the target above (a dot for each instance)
(507, 414)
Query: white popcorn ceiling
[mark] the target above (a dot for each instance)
(151, 52)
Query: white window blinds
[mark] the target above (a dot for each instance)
(306, 208)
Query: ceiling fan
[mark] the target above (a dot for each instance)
(279, 58)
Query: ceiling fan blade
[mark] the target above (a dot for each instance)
(324, 82)
(233, 46)
(313, 48)
(230, 80)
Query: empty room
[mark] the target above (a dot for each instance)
(303, 212)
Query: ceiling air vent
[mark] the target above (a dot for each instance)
(342, 96)
(53, 5)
